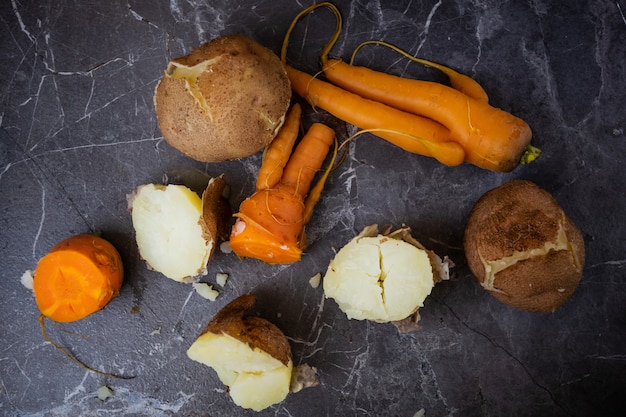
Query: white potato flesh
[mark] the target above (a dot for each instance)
(167, 229)
(256, 380)
(379, 279)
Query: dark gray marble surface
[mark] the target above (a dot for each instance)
(78, 132)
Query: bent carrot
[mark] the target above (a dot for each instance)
(278, 151)
(270, 223)
(78, 277)
(492, 138)
(408, 131)
(458, 81)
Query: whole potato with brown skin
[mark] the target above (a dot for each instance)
(225, 100)
(522, 248)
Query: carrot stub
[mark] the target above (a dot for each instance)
(270, 223)
(78, 277)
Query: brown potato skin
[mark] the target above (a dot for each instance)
(233, 320)
(247, 84)
(520, 216)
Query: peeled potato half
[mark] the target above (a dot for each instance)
(176, 230)
(225, 100)
(383, 277)
(522, 248)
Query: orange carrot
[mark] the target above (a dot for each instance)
(458, 81)
(270, 223)
(78, 277)
(408, 131)
(307, 160)
(278, 151)
(492, 138)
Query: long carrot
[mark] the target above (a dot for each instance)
(408, 131)
(491, 138)
(270, 223)
(458, 81)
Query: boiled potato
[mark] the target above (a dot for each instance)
(249, 354)
(176, 230)
(225, 100)
(522, 248)
(382, 277)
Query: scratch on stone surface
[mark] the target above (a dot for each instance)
(610, 357)
(41, 221)
(29, 158)
(139, 17)
(315, 333)
(123, 402)
(507, 353)
(80, 388)
(619, 263)
(426, 29)
(182, 309)
(621, 12)
(21, 22)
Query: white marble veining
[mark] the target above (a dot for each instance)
(78, 132)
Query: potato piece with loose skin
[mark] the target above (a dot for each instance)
(522, 248)
(225, 100)
(249, 354)
(177, 231)
(383, 277)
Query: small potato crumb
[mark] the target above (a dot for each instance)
(155, 331)
(205, 290)
(315, 280)
(27, 279)
(221, 279)
(225, 247)
(104, 392)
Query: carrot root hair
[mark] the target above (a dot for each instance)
(449, 153)
(69, 355)
(300, 16)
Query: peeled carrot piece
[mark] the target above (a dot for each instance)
(78, 277)
(270, 223)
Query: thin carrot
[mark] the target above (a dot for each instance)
(408, 131)
(458, 81)
(307, 159)
(78, 277)
(278, 151)
(270, 223)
